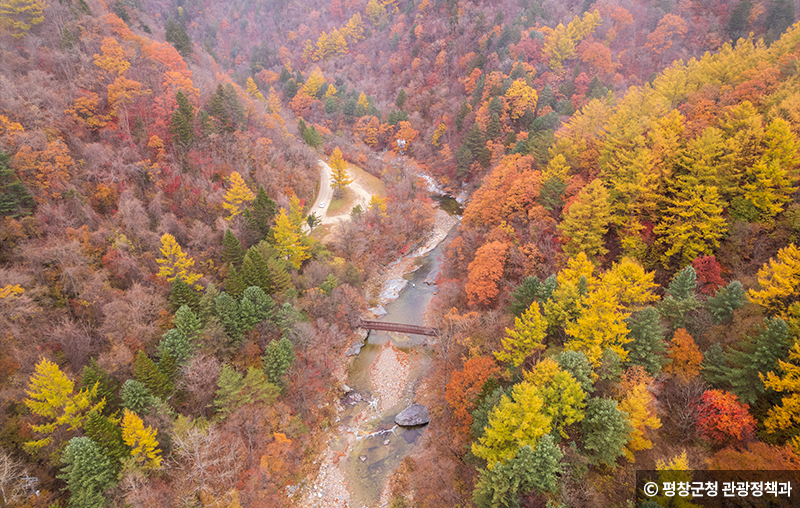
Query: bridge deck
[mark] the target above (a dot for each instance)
(385, 326)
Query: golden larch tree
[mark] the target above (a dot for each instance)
(238, 196)
(141, 440)
(288, 240)
(51, 395)
(174, 262)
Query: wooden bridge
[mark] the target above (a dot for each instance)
(384, 326)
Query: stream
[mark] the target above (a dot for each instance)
(385, 445)
(365, 437)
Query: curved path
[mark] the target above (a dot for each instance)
(325, 195)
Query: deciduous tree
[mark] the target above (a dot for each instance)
(484, 273)
(723, 419)
(237, 196)
(174, 263)
(288, 240)
(141, 440)
(684, 355)
(515, 422)
(787, 381)
(779, 282)
(51, 395)
(586, 221)
(526, 339)
(564, 399)
(466, 385)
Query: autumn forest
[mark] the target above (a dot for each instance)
(621, 291)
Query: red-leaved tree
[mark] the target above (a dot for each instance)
(723, 419)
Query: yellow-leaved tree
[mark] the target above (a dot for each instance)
(18, 16)
(141, 440)
(174, 263)
(520, 97)
(513, 423)
(288, 240)
(526, 339)
(378, 203)
(787, 415)
(339, 178)
(586, 221)
(779, 281)
(237, 196)
(254, 92)
(51, 395)
(564, 399)
(560, 42)
(638, 403)
(601, 325)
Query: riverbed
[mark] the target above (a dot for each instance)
(365, 445)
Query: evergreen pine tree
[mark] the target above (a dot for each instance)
(87, 472)
(681, 298)
(183, 294)
(260, 215)
(576, 363)
(401, 98)
(232, 251)
(182, 121)
(217, 108)
(647, 347)
(107, 433)
(279, 276)
(177, 36)
(528, 471)
(136, 397)
(168, 366)
(14, 197)
(149, 375)
(493, 130)
(606, 430)
(178, 345)
(278, 357)
(187, 323)
(262, 304)
(227, 310)
(255, 271)
(234, 284)
(107, 386)
(726, 300)
(754, 355)
(463, 111)
(476, 143)
(714, 371)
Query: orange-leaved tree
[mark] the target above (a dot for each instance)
(685, 357)
(485, 271)
(464, 387)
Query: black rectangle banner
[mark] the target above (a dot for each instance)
(718, 489)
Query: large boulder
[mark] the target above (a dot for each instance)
(413, 415)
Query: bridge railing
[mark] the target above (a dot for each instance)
(385, 326)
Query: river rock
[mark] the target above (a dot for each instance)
(413, 415)
(354, 350)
